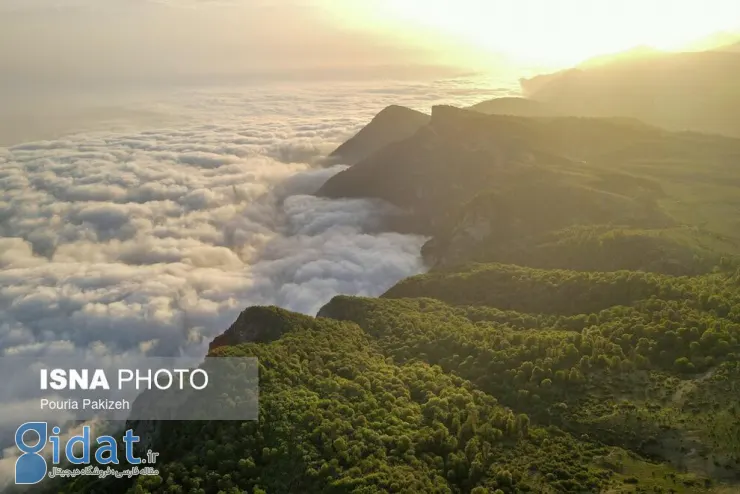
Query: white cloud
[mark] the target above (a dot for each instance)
(189, 250)
(152, 242)
(157, 235)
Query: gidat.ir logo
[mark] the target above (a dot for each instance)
(31, 467)
(32, 437)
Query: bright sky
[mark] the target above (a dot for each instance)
(553, 32)
(109, 41)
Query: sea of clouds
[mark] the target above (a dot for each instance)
(150, 242)
(153, 241)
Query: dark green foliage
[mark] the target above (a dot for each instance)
(568, 292)
(337, 416)
(579, 332)
(676, 251)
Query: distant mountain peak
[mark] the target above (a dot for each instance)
(637, 53)
(694, 91)
(260, 324)
(396, 110)
(521, 107)
(393, 123)
(440, 112)
(721, 41)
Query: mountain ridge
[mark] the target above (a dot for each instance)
(391, 124)
(579, 330)
(521, 107)
(678, 91)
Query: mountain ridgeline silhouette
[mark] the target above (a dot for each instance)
(394, 123)
(679, 91)
(517, 189)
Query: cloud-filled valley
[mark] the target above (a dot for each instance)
(153, 241)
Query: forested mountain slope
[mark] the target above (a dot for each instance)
(578, 330)
(576, 193)
(513, 390)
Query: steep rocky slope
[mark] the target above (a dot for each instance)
(394, 123)
(462, 153)
(578, 193)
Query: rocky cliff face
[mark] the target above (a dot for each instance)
(500, 187)
(510, 224)
(443, 165)
(473, 229)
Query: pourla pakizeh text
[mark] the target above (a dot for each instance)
(85, 404)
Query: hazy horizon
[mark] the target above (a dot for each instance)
(72, 65)
(139, 40)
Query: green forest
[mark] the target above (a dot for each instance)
(578, 330)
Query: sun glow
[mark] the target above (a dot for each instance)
(563, 32)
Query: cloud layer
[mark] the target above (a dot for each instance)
(131, 239)
(160, 237)
(151, 242)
